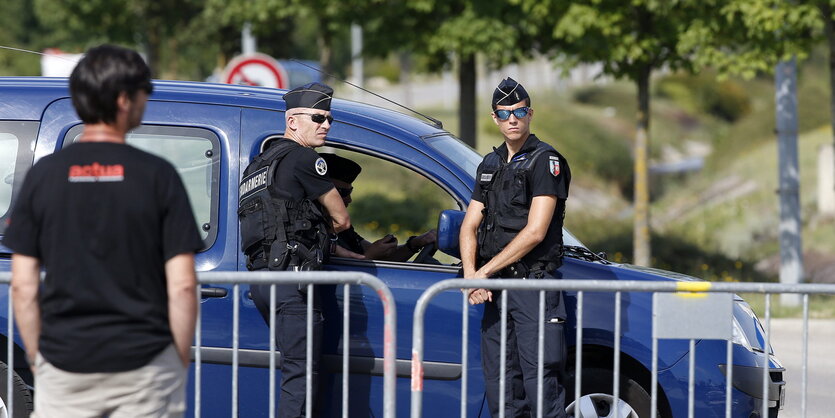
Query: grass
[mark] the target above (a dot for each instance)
(820, 306)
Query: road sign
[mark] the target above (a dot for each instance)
(256, 70)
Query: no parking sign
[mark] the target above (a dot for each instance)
(255, 70)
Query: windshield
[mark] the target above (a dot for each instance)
(468, 159)
(458, 152)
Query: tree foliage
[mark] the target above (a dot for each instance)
(631, 39)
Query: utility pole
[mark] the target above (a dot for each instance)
(357, 70)
(248, 45)
(791, 246)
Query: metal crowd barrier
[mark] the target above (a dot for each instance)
(657, 287)
(273, 278)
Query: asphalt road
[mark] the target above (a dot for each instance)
(787, 341)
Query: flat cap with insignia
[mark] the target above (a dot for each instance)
(508, 93)
(312, 95)
(341, 168)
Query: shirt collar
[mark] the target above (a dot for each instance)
(530, 144)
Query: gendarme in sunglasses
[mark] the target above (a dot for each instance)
(519, 112)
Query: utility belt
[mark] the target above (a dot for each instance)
(295, 257)
(524, 270)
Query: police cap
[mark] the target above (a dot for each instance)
(509, 92)
(341, 168)
(312, 95)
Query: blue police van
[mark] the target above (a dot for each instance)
(209, 132)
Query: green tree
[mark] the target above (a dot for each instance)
(631, 39)
(157, 27)
(453, 30)
(19, 29)
(330, 20)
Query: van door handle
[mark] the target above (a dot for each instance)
(213, 292)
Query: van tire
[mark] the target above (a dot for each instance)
(597, 385)
(23, 400)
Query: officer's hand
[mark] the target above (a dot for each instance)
(382, 248)
(339, 251)
(478, 296)
(426, 238)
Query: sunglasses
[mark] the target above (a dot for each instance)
(519, 112)
(317, 118)
(345, 191)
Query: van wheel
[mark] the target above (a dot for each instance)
(597, 399)
(22, 396)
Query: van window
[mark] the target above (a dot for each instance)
(389, 198)
(16, 143)
(194, 152)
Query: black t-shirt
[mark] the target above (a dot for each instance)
(302, 174)
(103, 218)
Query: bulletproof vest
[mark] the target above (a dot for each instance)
(278, 234)
(507, 198)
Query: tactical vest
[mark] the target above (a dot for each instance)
(507, 199)
(278, 234)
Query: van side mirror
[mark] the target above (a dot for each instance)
(449, 227)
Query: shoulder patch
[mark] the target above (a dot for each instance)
(554, 165)
(321, 166)
(486, 176)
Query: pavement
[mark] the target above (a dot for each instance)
(787, 341)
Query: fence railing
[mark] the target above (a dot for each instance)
(236, 279)
(658, 288)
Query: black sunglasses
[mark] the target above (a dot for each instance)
(345, 191)
(317, 118)
(519, 112)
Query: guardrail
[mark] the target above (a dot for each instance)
(656, 287)
(236, 279)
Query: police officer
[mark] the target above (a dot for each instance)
(513, 229)
(288, 208)
(342, 172)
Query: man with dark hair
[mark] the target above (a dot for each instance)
(109, 331)
(286, 223)
(342, 172)
(513, 229)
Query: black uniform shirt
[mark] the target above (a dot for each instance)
(549, 174)
(302, 174)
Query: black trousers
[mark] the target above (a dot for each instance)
(291, 339)
(522, 354)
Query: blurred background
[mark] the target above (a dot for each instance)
(693, 78)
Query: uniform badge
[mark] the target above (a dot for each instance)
(554, 165)
(321, 166)
(486, 176)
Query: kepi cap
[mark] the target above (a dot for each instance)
(313, 95)
(341, 168)
(509, 92)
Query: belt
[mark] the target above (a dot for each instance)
(521, 270)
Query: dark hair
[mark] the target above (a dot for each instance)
(105, 72)
(527, 103)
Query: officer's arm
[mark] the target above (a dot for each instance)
(25, 283)
(467, 241)
(333, 203)
(539, 218)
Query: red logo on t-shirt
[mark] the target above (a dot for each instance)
(96, 172)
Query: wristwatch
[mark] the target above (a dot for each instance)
(409, 244)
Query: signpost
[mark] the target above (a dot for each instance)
(256, 70)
